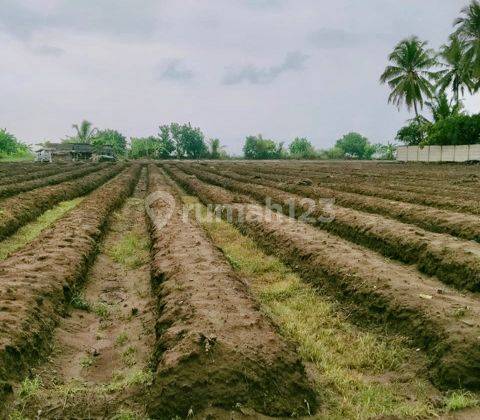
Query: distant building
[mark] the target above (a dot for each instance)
(59, 152)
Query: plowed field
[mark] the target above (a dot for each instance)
(239, 290)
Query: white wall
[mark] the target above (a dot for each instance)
(461, 153)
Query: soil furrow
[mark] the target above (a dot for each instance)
(214, 347)
(19, 187)
(452, 260)
(25, 207)
(102, 349)
(35, 172)
(436, 220)
(439, 319)
(37, 282)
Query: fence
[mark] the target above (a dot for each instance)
(462, 153)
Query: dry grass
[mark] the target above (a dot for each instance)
(358, 373)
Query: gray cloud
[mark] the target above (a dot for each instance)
(294, 61)
(264, 4)
(48, 50)
(329, 38)
(113, 17)
(175, 70)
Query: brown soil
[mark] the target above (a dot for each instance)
(117, 343)
(18, 187)
(35, 172)
(453, 261)
(456, 202)
(463, 225)
(23, 208)
(214, 347)
(36, 282)
(442, 321)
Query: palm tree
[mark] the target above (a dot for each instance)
(459, 72)
(85, 132)
(409, 74)
(468, 30)
(442, 108)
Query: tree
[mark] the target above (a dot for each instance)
(301, 148)
(85, 132)
(165, 144)
(455, 130)
(11, 147)
(441, 107)
(356, 146)
(468, 31)
(216, 149)
(415, 132)
(143, 147)
(409, 74)
(256, 147)
(385, 151)
(110, 138)
(458, 74)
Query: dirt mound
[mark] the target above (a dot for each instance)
(214, 348)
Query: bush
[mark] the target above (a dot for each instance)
(454, 130)
(415, 132)
(301, 148)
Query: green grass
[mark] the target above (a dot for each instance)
(18, 157)
(29, 387)
(358, 373)
(121, 339)
(132, 251)
(101, 310)
(129, 356)
(79, 301)
(86, 361)
(30, 231)
(460, 400)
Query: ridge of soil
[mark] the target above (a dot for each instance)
(23, 208)
(445, 324)
(214, 347)
(452, 260)
(103, 356)
(462, 225)
(37, 281)
(19, 187)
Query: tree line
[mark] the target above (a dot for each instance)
(183, 141)
(420, 77)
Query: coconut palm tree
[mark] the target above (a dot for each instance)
(441, 107)
(468, 30)
(459, 71)
(85, 132)
(410, 73)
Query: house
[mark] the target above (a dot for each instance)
(63, 152)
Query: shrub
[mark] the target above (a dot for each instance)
(454, 130)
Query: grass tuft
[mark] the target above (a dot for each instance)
(132, 251)
(29, 387)
(459, 400)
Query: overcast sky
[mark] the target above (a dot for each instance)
(283, 68)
